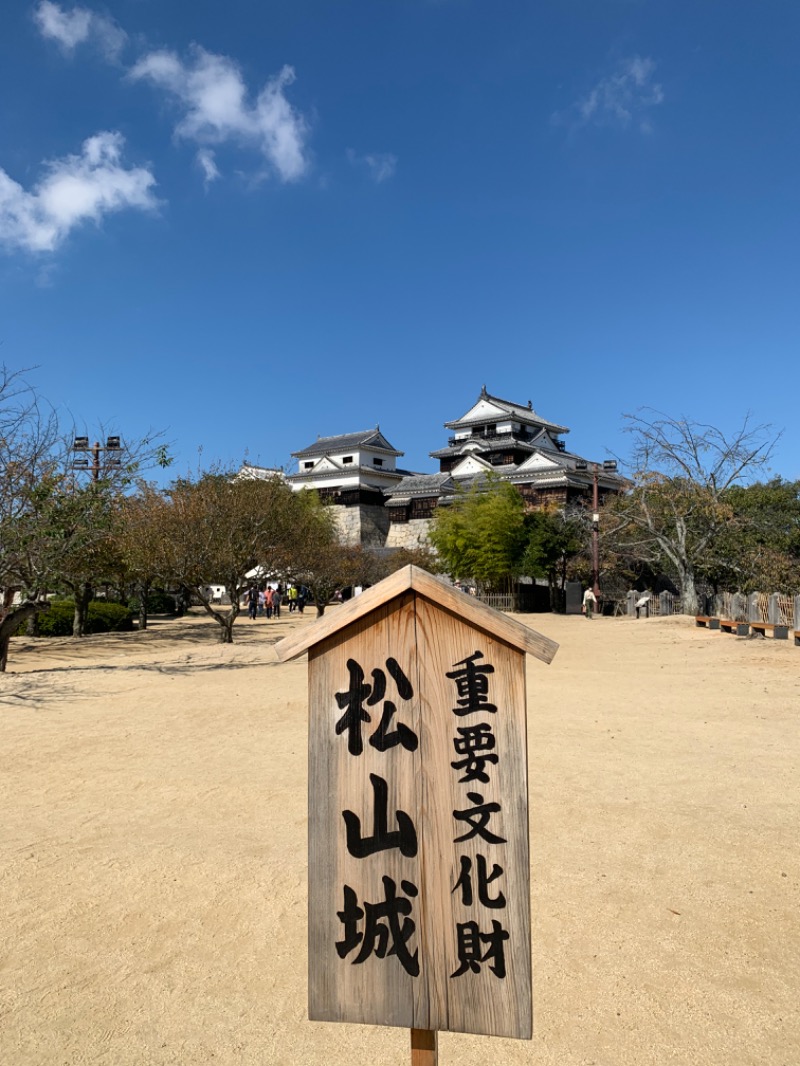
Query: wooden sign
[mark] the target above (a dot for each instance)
(419, 888)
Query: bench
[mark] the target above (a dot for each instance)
(706, 620)
(778, 632)
(741, 629)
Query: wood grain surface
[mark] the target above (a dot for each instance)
(492, 992)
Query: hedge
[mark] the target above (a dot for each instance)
(101, 618)
(158, 602)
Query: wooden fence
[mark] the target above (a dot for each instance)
(775, 608)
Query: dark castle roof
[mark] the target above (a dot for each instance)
(367, 438)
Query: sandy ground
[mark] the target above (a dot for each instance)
(153, 852)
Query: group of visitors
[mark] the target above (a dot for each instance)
(267, 601)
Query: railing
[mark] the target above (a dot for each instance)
(522, 598)
(652, 605)
(501, 601)
(776, 608)
(493, 435)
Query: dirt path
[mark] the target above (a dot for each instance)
(153, 864)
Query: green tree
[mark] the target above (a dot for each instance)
(481, 534)
(759, 548)
(554, 537)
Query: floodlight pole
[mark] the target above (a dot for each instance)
(81, 444)
(95, 467)
(595, 534)
(608, 465)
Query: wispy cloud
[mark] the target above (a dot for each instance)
(77, 189)
(622, 99)
(379, 165)
(69, 28)
(208, 164)
(216, 107)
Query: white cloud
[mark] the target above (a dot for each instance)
(207, 163)
(217, 108)
(380, 165)
(77, 189)
(79, 26)
(621, 99)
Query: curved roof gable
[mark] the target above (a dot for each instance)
(471, 464)
(540, 461)
(492, 408)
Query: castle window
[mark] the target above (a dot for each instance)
(347, 459)
(423, 508)
(378, 462)
(307, 466)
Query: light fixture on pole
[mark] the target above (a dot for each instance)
(112, 448)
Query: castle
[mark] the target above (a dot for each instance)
(380, 505)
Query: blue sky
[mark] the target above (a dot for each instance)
(252, 223)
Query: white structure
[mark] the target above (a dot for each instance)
(354, 471)
(251, 472)
(351, 467)
(379, 505)
(514, 443)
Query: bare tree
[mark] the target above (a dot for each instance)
(138, 531)
(317, 558)
(54, 530)
(29, 473)
(676, 507)
(216, 530)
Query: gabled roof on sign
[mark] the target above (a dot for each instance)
(366, 438)
(488, 406)
(447, 598)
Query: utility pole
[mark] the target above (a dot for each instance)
(610, 466)
(112, 446)
(595, 535)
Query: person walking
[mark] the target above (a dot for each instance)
(252, 602)
(268, 594)
(589, 603)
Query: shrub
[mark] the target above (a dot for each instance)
(158, 602)
(109, 618)
(102, 618)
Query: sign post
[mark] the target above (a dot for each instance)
(419, 883)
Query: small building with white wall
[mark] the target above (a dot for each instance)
(354, 471)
